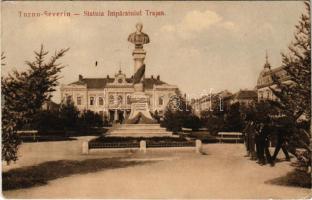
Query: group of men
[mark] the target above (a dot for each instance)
(257, 136)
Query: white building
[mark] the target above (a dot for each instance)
(265, 81)
(110, 96)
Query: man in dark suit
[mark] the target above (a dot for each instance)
(263, 139)
(281, 131)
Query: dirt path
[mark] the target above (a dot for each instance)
(222, 173)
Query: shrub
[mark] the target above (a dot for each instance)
(193, 122)
(69, 115)
(89, 119)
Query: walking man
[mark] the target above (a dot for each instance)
(263, 144)
(281, 138)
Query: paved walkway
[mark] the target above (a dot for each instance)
(222, 173)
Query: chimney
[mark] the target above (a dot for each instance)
(80, 77)
(158, 77)
(107, 77)
(152, 77)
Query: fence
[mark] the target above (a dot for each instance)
(97, 145)
(142, 145)
(171, 144)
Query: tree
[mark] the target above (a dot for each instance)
(176, 114)
(193, 122)
(69, 114)
(294, 96)
(47, 120)
(2, 58)
(23, 96)
(213, 121)
(233, 119)
(89, 119)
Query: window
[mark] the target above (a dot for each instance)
(79, 100)
(68, 98)
(160, 101)
(120, 80)
(91, 101)
(261, 95)
(128, 99)
(111, 99)
(119, 100)
(101, 101)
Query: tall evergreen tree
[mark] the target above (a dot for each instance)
(294, 96)
(23, 95)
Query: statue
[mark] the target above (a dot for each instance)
(138, 38)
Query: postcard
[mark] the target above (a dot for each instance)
(156, 99)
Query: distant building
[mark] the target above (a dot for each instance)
(211, 101)
(50, 106)
(245, 97)
(110, 96)
(265, 81)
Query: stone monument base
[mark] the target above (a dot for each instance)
(140, 113)
(139, 130)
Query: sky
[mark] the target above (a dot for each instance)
(198, 46)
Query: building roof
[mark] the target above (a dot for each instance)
(246, 94)
(150, 82)
(95, 83)
(98, 83)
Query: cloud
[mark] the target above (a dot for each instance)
(198, 21)
(195, 22)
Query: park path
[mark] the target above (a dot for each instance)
(38, 152)
(222, 173)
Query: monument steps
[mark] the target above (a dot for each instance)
(140, 130)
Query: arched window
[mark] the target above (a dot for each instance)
(111, 99)
(128, 99)
(92, 101)
(68, 98)
(101, 101)
(261, 95)
(268, 94)
(161, 101)
(119, 99)
(79, 100)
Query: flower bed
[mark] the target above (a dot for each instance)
(131, 142)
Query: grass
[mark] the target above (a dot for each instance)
(40, 174)
(295, 178)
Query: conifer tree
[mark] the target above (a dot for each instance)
(23, 95)
(294, 95)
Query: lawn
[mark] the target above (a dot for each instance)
(40, 174)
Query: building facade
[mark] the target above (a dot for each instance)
(110, 96)
(245, 98)
(265, 81)
(211, 102)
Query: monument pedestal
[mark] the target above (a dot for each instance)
(140, 113)
(140, 123)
